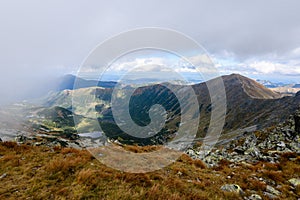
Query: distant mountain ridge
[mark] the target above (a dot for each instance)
(283, 88)
(270, 84)
(68, 82)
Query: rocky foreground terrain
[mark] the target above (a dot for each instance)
(268, 145)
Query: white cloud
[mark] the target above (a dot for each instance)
(269, 67)
(284, 64)
(264, 67)
(200, 59)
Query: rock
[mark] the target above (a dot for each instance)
(3, 175)
(272, 190)
(295, 182)
(255, 197)
(239, 150)
(295, 146)
(191, 153)
(232, 188)
(288, 133)
(62, 143)
(1, 140)
(250, 141)
(21, 139)
(281, 145)
(270, 196)
(38, 143)
(253, 151)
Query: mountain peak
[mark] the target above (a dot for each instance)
(252, 88)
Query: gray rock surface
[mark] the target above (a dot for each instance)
(272, 190)
(3, 176)
(270, 196)
(295, 182)
(232, 188)
(255, 197)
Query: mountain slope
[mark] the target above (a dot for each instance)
(84, 100)
(252, 88)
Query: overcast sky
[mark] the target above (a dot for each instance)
(40, 39)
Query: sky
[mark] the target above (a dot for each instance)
(44, 39)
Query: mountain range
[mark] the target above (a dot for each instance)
(249, 103)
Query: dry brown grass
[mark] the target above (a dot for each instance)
(276, 176)
(66, 173)
(141, 149)
(199, 164)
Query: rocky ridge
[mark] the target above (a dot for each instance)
(264, 145)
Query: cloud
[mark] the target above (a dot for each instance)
(267, 67)
(32, 34)
(243, 36)
(160, 62)
(148, 63)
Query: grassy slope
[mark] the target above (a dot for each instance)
(45, 173)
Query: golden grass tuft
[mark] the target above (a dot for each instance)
(85, 176)
(222, 165)
(184, 158)
(141, 149)
(199, 164)
(276, 176)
